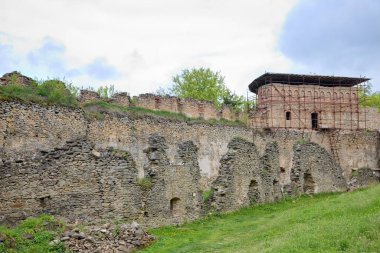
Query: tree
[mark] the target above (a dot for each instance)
(201, 84)
(204, 84)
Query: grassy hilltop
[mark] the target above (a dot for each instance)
(346, 222)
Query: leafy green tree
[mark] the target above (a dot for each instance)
(368, 98)
(205, 84)
(201, 84)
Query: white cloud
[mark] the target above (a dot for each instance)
(150, 41)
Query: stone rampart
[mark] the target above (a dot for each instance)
(87, 96)
(121, 98)
(153, 170)
(190, 107)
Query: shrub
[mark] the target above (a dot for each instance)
(42, 92)
(145, 182)
(206, 195)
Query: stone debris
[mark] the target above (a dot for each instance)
(107, 238)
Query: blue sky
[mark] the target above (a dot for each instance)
(139, 45)
(340, 37)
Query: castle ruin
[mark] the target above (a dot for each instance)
(57, 160)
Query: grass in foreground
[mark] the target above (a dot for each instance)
(32, 235)
(346, 222)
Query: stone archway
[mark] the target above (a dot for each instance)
(175, 207)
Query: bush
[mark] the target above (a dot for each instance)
(57, 92)
(145, 182)
(206, 195)
(42, 92)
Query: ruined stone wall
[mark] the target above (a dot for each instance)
(245, 177)
(190, 107)
(73, 181)
(121, 98)
(26, 129)
(133, 135)
(147, 101)
(353, 149)
(78, 182)
(86, 96)
(55, 160)
(315, 170)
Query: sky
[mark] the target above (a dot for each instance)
(138, 46)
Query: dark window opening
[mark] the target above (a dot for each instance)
(44, 201)
(308, 184)
(253, 192)
(288, 116)
(175, 206)
(314, 120)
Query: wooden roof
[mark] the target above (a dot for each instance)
(296, 79)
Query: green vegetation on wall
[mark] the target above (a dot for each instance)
(43, 92)
(97, 109)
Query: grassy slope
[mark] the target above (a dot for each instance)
(42, 231)
(347, 222)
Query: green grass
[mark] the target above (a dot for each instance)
(40, 230)
(43, 92)
(347, 222)
(96, 108)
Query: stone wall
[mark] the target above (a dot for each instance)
(315, 170)
(16, 78)
(27, 129)
(121, 98)
(190, 107)
(245, 177)
(153, 170)
(87, 96)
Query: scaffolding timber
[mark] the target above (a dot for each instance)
(308, 102)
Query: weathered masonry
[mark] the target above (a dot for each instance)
(311, 102)
(153, 170)
(126, 166)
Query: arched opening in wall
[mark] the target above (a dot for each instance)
(314, 120)
(276, 190)
(175, 207)
(288, 116)
(308, 183)
(253, 192)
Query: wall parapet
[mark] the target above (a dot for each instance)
(88, 96)
(188, 106)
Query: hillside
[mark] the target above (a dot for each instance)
(346, 222)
